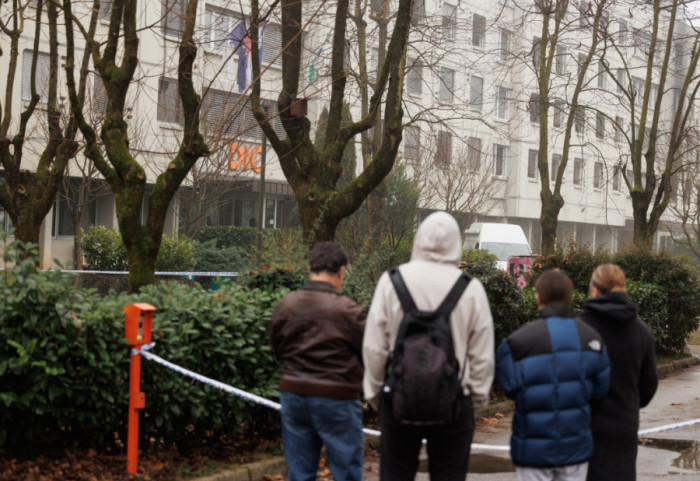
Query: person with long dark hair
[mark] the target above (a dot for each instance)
(633, 375)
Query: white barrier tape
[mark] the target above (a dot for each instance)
(669, 427)
(158, 273)
(370, 432)
(206, 380)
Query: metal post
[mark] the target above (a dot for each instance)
(137, 401)
(261, 191)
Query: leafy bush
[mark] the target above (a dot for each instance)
(211, 258)
(508, 306)
(576, 262)
(176, 254)
(679, 283)
(64, 363)
(229, 236)
(651, 307)
(272, 279)
(103, 249)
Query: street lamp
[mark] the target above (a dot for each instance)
(261, 191)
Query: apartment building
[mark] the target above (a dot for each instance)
(470, 112)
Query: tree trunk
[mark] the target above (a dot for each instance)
(551, 206)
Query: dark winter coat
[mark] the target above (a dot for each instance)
(633, 382)
(553, 368)
(317, 335)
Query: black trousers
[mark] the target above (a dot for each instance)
(448, 447)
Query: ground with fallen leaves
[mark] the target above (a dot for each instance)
(153, 465)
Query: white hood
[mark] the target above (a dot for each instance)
(438, 240)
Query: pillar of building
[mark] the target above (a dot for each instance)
(45, 239)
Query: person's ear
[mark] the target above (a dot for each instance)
(537, 300)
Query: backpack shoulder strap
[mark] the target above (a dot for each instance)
(455, 293)
(405, 298)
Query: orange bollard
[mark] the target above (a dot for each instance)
(138, 326)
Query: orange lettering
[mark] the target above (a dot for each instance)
(244, 157)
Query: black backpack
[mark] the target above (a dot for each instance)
(423, 384)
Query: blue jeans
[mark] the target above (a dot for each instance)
(308, 422)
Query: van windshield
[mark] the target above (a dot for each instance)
(503, 250)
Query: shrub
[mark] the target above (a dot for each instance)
(211, 258)
(651, 307)
(229, 236)
(176, 254)
(577, 262)
(64, 364)
(272, 279)
(508, 307)
(103, 249)
(679, 283)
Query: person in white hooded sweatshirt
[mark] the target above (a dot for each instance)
(429, 276)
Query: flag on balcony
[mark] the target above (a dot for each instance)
(241, 47)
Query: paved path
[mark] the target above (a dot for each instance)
(678, 399)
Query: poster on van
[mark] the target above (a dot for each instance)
(518, 267)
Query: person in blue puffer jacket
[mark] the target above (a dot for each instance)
(557, 370)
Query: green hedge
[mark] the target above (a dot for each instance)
(665, 287)
(104, 251)
(64, 363)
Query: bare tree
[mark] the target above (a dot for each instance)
(314, 173)
(40, 136)
(116, 60)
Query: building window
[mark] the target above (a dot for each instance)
(272, 45)
(601, 74)
(499, 160)
(502, 101)
(600, 125)
(479, 31)
(449, 21)
(418, 13)
(560, 64)
(447, 80)
(476, 93)
(414, 77)
(580, 61)
(622, 32)
(534, 107)
(506, 37)
(616, 180)
(229, 115)
(556, 163)
(473, 153)
(578, 172)
(105, 9)
(536, 53)
(532, 164)
(411, 146)
(173, 17)
(619, 126)
(373, 65)
(169, 104)
(63, 217)
(42, 75)
(5, 222)
(598, 175)
(642, 43)
(579, 119)
(443, 154)
(558, 113)
(621, 80)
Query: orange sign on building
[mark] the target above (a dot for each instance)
(244, 157)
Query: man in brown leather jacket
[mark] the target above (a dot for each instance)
(317, 335)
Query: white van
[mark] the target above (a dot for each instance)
(502, 240)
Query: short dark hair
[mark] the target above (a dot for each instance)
(554, 286)
(327, 256)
